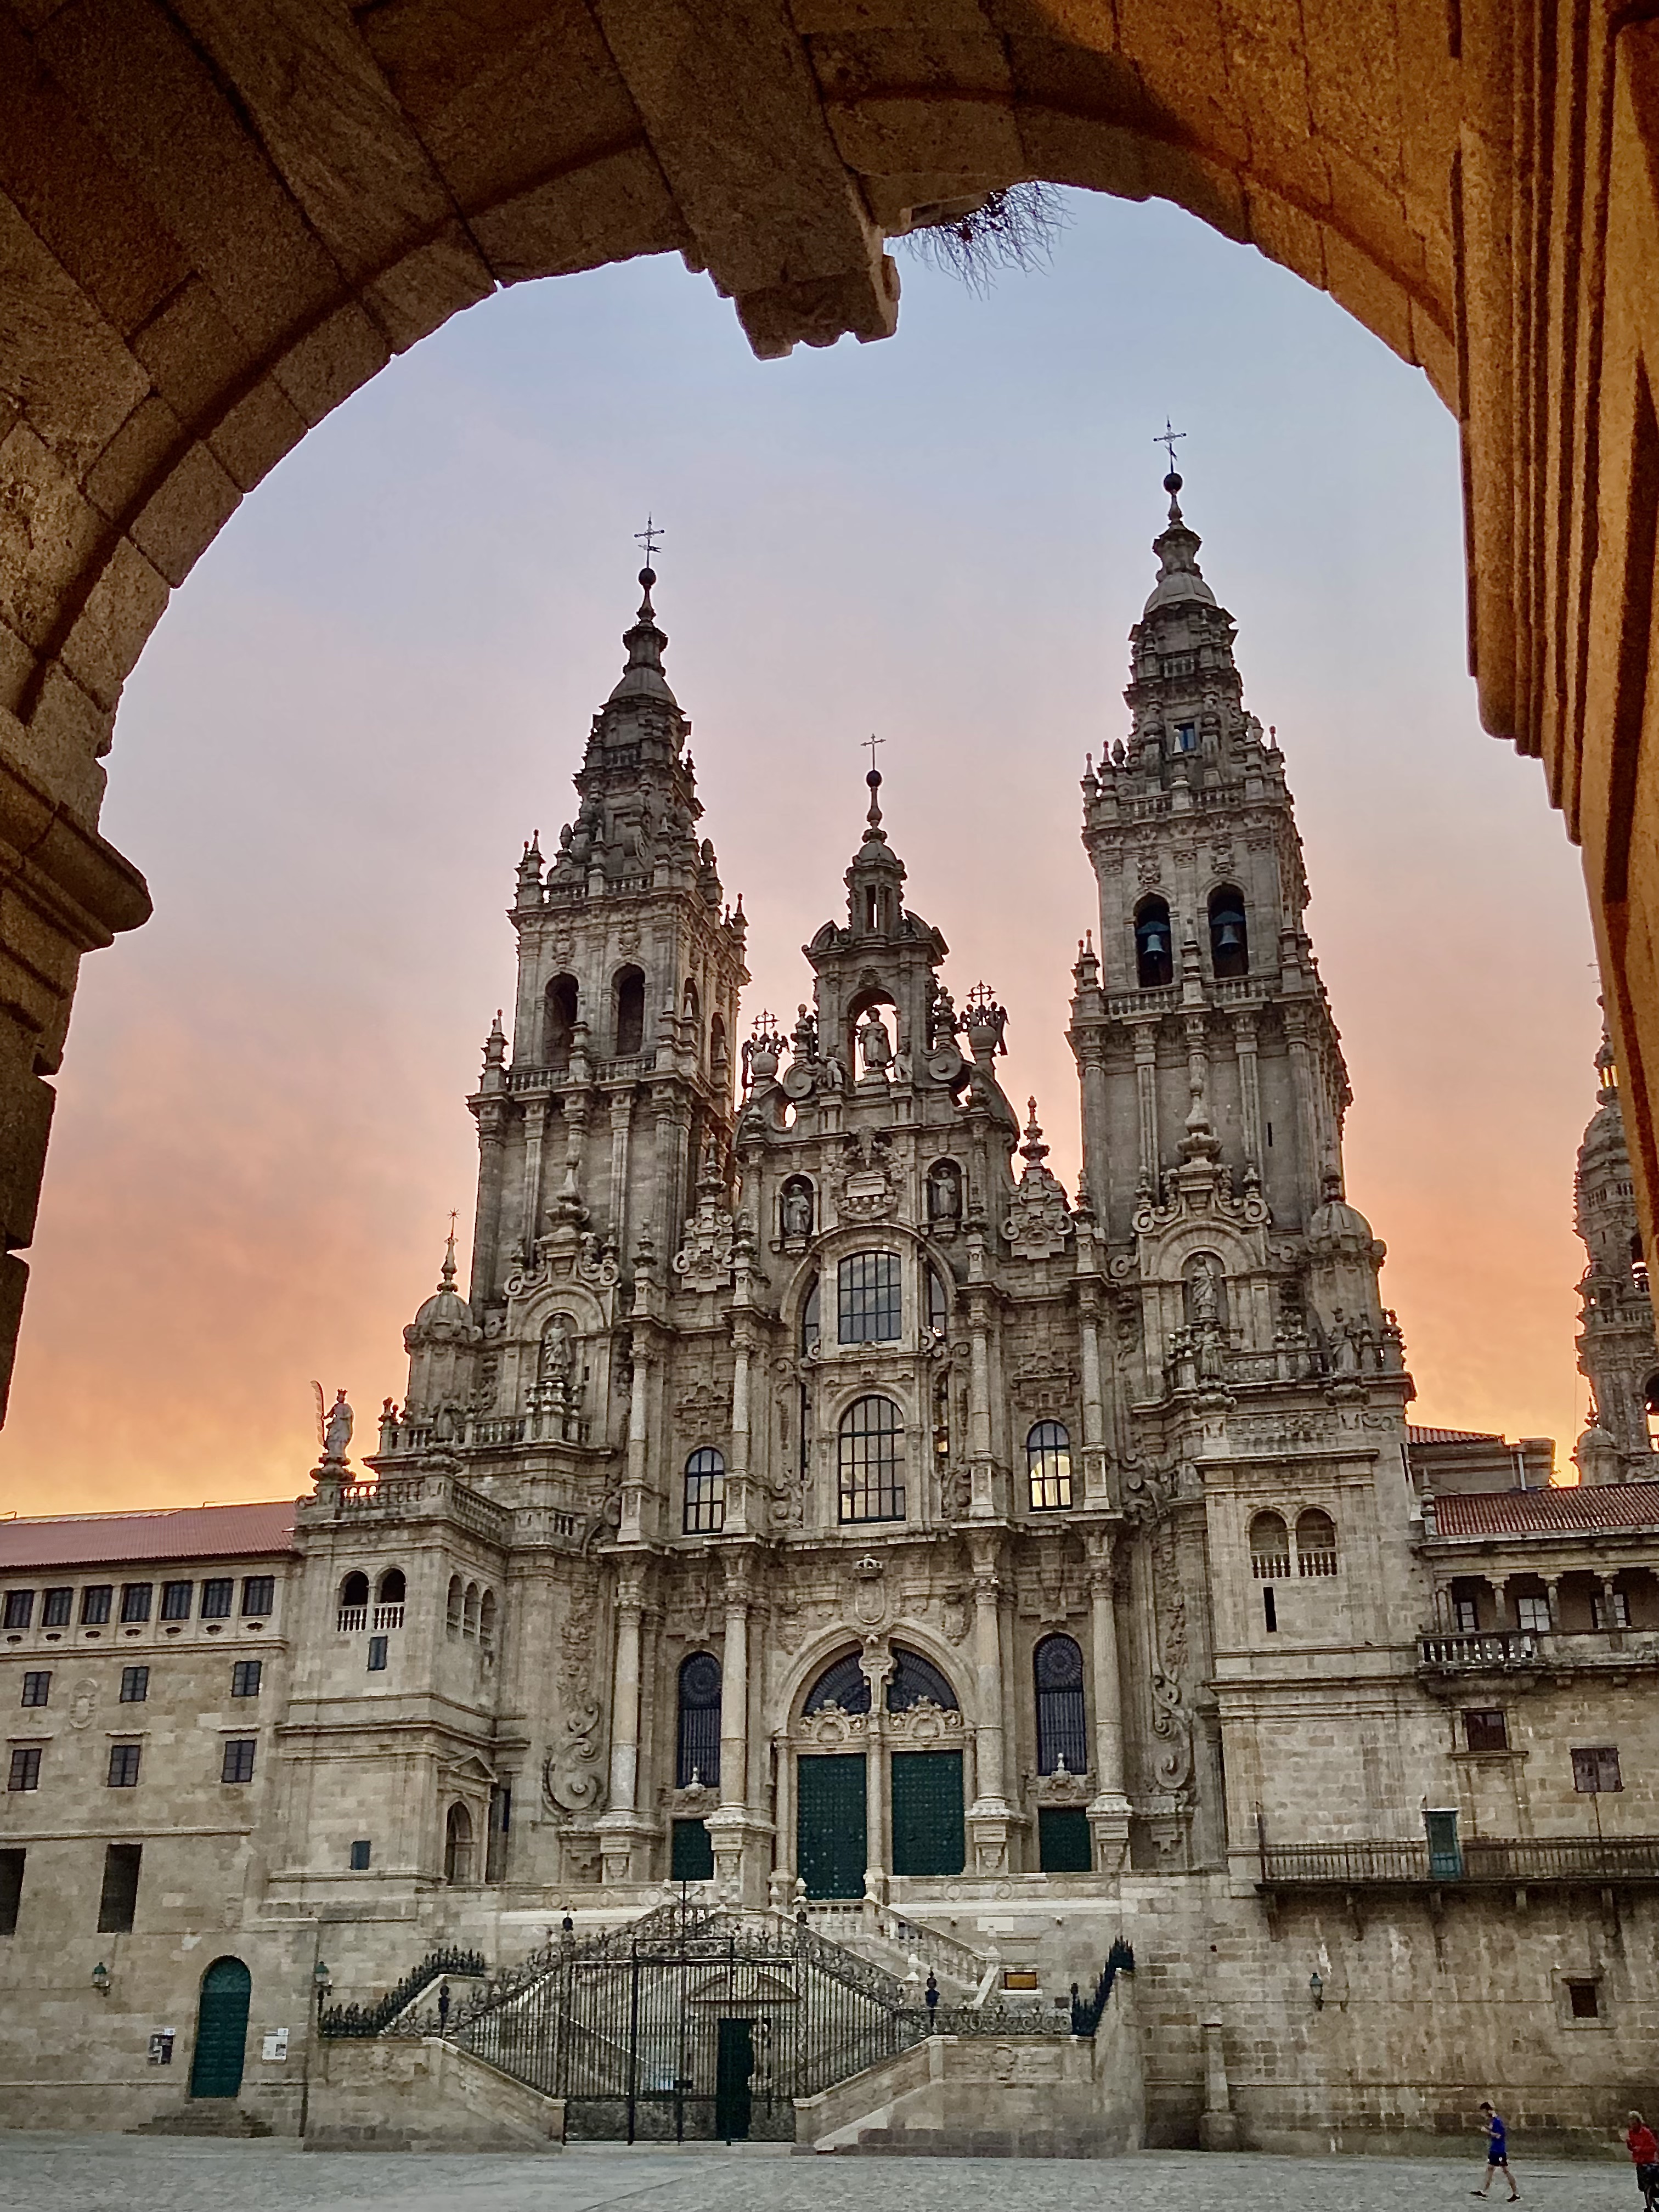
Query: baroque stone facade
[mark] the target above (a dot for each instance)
(809, 1496)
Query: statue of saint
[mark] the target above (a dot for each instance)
(944, 1194)
(796, 1210)
(875, 1047)
(555, 1364)
(337, 1426)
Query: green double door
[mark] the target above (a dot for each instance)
(929, 1834)
(831, 1807)
(215, 2065)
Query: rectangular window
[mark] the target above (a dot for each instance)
(360, 1856)
(216, 1595)
(176, 1599)
(25, 1772)
(869, 1305)
(245, 1679)
(135, 1685)
(135, 1600)
(871, 1456)
(118, 1899)
(258, 1593)
(1599, 1615)
(124, 1759)
(96, 1603)
(11, 1890)
(1465, 1616)
(1596, 1771)
(37, 1688)
(55, 1607)
(19, 1608)
(1533, 1613)
(1581, 2001)
(1269, 1610)
(1186, 737)
(377, 1645)
(1486, 1730)
(238, 1759)
(1064, 1844)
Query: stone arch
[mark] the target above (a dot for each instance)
(221, 230)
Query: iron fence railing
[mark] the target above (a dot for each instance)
(1472, 1859)
(375, 2020)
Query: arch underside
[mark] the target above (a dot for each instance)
(216, 224)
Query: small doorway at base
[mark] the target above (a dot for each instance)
(830, 1853)
(928, 1836)
(1063, 1839)
(693, 1851)
(215, 2065)
(734, 2066)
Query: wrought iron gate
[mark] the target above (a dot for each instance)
(690, 2025)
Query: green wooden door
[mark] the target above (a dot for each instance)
(693, 1851)
(829, 1810)
(1063, 1841)
(927, 1830)
(734, 2065)
(216, 2066)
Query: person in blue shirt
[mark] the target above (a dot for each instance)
(1497, 2154)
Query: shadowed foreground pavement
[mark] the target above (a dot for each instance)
(114, 2174)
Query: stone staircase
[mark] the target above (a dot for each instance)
(205, 2115)
(909, 1951)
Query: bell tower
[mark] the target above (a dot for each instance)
(1615, 1337)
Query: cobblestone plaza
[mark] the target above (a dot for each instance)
(96, 2173)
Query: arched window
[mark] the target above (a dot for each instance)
(1639, 1265)
(871, 1462)
(452, 1609)
(630, 1012)
(869, 1302)
(393, 1589)
(1229, 942)
(795, 1207)
(705, 1493)
(1153, 963)
(1049, 1466)
(697, 1757)
(913, 1679)
(688, 1001)
(809, 1330)
(559, 1021)
(353, 1590)
(1270, 1547)
(1650, 1406)
(1061, 1725)
(844, 1684)
(469, 1610)
(487, 1620)
(458, 1844)
(720, 1058)
(1316, 1542)
(939, 1305)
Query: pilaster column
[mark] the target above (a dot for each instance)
(1094, 1403)
(535, 1125)
(991, 1819)
(1146, 1099)
(624, 1834)
(739, 1835)
(622, 1121)
(1249, 1088)
(737, 1469)
(1108, 1688)
(877, 1666)
(638, 1410)
(487, 1216)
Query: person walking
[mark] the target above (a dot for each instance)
(1498, 2152)
(1643, 2147)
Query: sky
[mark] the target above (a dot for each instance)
(379, 679)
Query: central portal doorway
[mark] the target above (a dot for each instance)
(927, 1812)
(830, 1853)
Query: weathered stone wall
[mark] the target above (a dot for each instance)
(417, 2093)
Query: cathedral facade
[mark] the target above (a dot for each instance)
(809, 1498)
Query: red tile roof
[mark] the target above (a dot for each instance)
(1416, 1435)
(196, 1532)
(1561, 1510)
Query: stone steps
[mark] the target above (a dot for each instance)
(205, 2115)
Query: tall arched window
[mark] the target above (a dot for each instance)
(871, 1462)
(630, 1012)
(698, 1754)
(353, 1590)
(559, 1021)
(487, 1620)
(1062, 1726)
(720, 1058)
(705, 1493)
(452, 1609)
(1650, 1406)
(870, 1304)
(1229, 942)
(458, 1844)
(810, 1325)
(1154, 962)
(393, 1589)
(469, 1610)
(1316, 1542)
(1049, 1466)
(1270, 1547)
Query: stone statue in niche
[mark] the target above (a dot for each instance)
(798, 1207)
(875, 1046)
(1205, 1281)
(557, 1352)
(944, 1194)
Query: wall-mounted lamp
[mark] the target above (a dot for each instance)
(100, 1978)
(322, 1981)
(1316, 1989)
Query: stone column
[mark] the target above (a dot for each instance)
(739, 1835)
(622, 1833)
(1217, 2127)
(1094, 1403)
(1609, 1611)
(1146, 1099)
(535, 1124)
(991, 1819)
(621, 1118)
(877, 1666)
(487, 1217)
(1249, 1088)
(1109, 1811)
(639, 1409)
(737, 1470)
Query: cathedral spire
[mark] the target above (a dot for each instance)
(643, 677)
